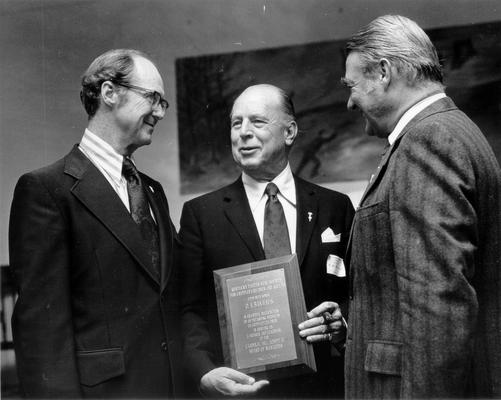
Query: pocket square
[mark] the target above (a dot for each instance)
(328, 236)
(335, 266)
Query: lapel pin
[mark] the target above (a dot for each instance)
(310, 215)
(152, 191)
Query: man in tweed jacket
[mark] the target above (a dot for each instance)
(424, 251)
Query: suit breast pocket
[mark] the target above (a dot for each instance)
(331, 248)
(369, 210)
(372, 248)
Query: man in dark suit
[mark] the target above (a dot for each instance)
(93, 249)
(227, 227)
(425, 265)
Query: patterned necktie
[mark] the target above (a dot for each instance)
(140, 211)
(275, 235)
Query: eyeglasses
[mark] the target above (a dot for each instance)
(152, 96)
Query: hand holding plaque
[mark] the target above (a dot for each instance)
(325, 323)
(229, 382)
(260, 305)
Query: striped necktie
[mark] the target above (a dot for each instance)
(140, 211)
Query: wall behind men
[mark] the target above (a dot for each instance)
(46, 45)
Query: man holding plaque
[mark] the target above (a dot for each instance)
(267, 212)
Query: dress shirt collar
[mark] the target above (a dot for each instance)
(284, 181)
(411, 113)
(102, 154)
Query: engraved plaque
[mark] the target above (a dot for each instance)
(260, 305)
(262, 332)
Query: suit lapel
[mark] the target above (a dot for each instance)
(440, 105)
(375, 177)
(97, 195)
(237, 210)
(161, 212)
(306, 217)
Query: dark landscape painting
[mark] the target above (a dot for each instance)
(331, 146)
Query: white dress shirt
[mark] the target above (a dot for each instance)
(106, 160)
(109, 162)
(411, 113)
(287, 196)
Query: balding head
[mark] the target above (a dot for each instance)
(263, 129)
(281, 96)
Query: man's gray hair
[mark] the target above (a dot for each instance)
(287, 104)
(402, 42)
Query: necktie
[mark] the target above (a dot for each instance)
(385, 150)
(383, 153)
(276, 235)
(140, 211)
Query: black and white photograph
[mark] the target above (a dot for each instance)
(149, 148)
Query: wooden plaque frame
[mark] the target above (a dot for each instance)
(304, 360)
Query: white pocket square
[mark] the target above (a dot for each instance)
(328, 236)
(335, 266)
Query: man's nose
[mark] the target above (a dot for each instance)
(246, 129)
(158, 112)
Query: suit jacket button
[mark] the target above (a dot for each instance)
(163, 345)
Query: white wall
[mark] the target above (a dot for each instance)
(46, 45)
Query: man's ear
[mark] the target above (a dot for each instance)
(290, 133)
(109, 94)
(384, 72)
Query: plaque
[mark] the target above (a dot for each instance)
(260, 305)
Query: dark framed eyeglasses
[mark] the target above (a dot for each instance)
(152, 96)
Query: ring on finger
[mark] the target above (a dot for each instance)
(327, 317)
